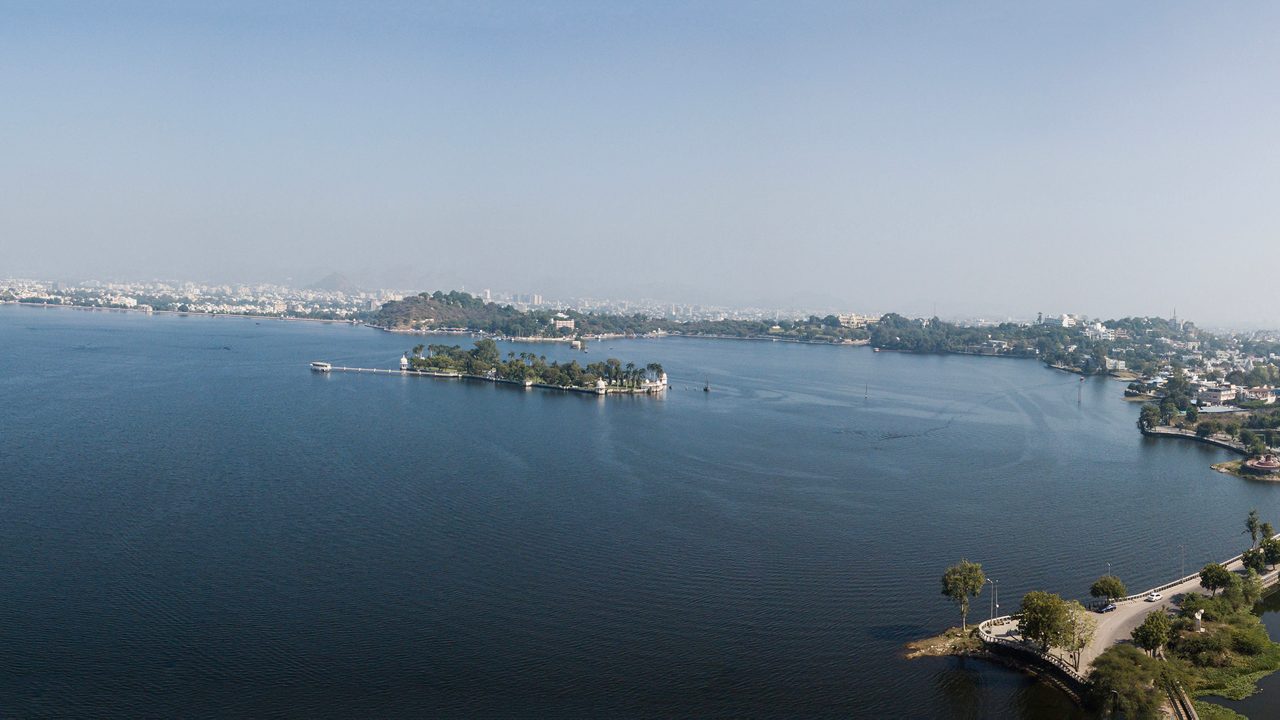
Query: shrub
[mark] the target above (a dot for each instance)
(1202, 649)
(1214, 608)
(1125, 679)
(1249, 641)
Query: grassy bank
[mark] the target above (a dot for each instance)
(1226, 660)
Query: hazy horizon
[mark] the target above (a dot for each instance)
(994, 160)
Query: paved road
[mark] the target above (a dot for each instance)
(1118, 625)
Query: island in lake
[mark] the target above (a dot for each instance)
(485, 361)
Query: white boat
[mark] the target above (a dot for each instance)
(321, 366)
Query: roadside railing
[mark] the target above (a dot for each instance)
(1182, 704)
(1266, 577)
(1192, 435)
(985, 634)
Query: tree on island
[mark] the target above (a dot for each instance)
(1154, 632)
(1255, 559)
(1271, 550)
(1045, 619)
(1149, 416)
(961, 582)
(1109, 587)
(1214, 577)
(485, 360)
(1252, 525)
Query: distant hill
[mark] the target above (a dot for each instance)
(427, 311)
(461, 310)
(334, 282)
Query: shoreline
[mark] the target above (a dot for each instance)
(95, 308)
(1168, 432)
(1236, 468)
(618, 336)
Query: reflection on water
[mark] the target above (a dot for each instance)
(967, 687)
(961, 689)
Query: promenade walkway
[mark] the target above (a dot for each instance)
(1114, 627)
(1218, 439)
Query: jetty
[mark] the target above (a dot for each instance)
(600, 388)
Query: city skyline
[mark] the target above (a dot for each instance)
(336, 297)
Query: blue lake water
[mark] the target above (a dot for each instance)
(194, 524)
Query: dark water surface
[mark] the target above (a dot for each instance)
(195, 524)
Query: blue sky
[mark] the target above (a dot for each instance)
(992, 158)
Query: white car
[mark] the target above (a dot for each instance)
(1154, 597)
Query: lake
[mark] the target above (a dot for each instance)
(196, 524)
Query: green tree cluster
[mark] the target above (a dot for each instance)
(1109, 587)
(1214, 577)
(484, 359)
(1127, 681)
(1154, 632)
(1052, 622)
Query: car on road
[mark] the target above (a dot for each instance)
(1107, 608)
(1154, 597)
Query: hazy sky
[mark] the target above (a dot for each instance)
(1107, 158)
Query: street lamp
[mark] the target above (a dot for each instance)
(995, 595)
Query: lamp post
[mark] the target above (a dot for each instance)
(995, 594)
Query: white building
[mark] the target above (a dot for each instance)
(1216, 395)
(1098, 331)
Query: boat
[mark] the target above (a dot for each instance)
(323, 367)
(706, 387)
